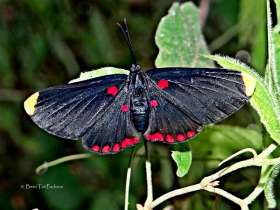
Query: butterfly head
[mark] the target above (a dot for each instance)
(135, 68)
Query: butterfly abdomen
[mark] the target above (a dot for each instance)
(139, 103)
(139, 112)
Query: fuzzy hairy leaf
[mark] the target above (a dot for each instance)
(99, 73)
(271, 174)
(179, 38)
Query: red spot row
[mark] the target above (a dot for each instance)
(132, 141)
(163, 84)
(117, 147)
(170, 139)
(113, 90)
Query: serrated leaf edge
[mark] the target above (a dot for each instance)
(268, 188)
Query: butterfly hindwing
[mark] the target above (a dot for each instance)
(115, 130)
(190, 98)
(168, 123)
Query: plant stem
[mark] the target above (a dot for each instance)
(128, 175)
(46, 165)
(174, 193)
(206, 181)
(268, 150)
(226, 195)
(148, 176)
(256, 192)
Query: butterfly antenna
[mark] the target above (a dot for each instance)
(127, 39)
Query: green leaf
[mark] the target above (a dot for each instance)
(270, 175)
(99, 73)
(179, 38)
(182, 156)
(262, 100)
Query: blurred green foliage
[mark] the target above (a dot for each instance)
(48, 42)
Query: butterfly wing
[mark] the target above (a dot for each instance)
(183, 100)
(114, 131)
(91, 109)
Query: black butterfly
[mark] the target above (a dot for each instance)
(169, 105)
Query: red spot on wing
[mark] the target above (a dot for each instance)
(96, 148)
(153, 103)
(124, 108)
(163, 84)
(135, 140)
(106, 149)
(180, 137)
(169, 138)
(148, 136)
(113, 90)
(116, 147)
(190, 134)
(158, 137)
(127, 142)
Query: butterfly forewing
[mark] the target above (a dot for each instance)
(187, 99)
(70, 110)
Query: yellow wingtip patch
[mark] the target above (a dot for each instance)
(249, 82)
(29, 104)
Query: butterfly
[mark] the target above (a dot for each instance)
(168, 105)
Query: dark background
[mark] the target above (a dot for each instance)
(49, 42)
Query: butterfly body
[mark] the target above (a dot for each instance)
(138, 101)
